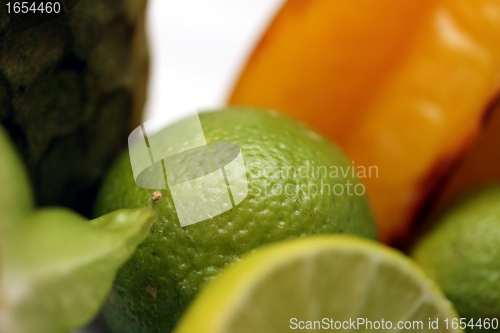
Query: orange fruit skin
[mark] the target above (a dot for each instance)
(400, 85)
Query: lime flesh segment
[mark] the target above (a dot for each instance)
(325, 281)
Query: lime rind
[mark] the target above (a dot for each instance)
(278, 154)
(460, 252)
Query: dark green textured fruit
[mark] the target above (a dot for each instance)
(152, 290)
(69, 90)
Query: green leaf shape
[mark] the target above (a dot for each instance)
(57, 267)
(15, 193)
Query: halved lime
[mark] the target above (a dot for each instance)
(321, 283)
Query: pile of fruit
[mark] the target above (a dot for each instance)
(372, 198)
(313, 280)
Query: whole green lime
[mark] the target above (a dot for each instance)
(461, 253)
(298, 184)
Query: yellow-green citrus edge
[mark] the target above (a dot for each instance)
(214, 303)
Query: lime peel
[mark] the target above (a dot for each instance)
(178, 261)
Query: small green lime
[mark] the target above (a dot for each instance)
(461, 252)
(287, 167)
(320, 283)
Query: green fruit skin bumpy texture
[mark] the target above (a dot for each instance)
(69, 89)
(153, 289)
(461, 253)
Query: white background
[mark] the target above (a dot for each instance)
(198, 48)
